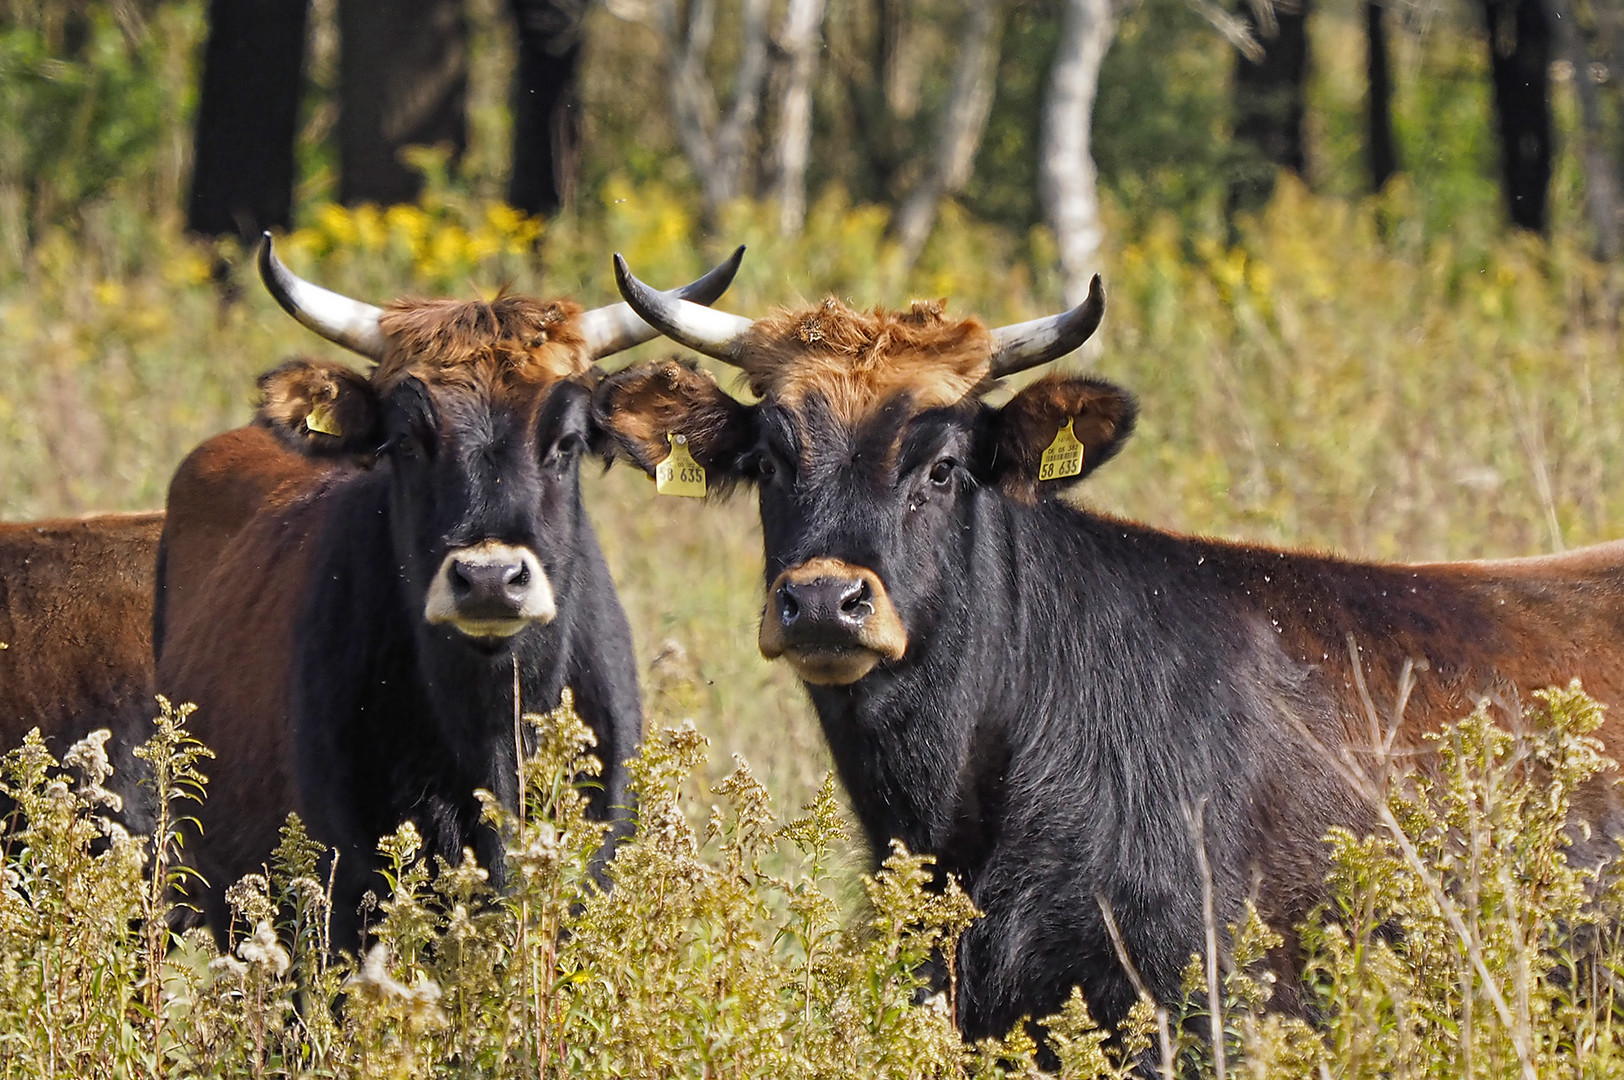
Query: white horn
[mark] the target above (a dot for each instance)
(714, 333)
(337, 318)
(616, 327)
(1028, 344)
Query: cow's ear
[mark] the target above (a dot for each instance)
(643, 406)
(1032, 425)
(319, 408)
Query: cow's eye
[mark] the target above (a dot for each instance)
(942, 472)
(566, 450)
(766, 467)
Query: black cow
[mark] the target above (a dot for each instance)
(1043, 698)
(349, 587)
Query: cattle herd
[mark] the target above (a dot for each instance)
(1095, 725)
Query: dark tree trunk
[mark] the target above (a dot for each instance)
(1520, 56)
(546, 104)
(1270, 103)
(242, 172)
(1383, 148)
(403, 81)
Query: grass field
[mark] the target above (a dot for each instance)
(1345, 376)
(1336, 381)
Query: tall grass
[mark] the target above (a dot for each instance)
(1461, 940)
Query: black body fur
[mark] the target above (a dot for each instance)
(360, 712)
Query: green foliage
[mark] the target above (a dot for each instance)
(1463, 938)
(90, 99)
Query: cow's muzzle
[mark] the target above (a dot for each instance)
(490, 590)
(832, 621)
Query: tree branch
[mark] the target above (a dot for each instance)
(963, 121)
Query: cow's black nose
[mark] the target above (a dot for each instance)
(824, 606)
(488, 589)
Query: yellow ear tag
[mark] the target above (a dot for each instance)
(321, 419)
(679, 473)
(1063, 458)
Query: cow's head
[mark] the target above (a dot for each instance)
(480, 410)
(870, 446)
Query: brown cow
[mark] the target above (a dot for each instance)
(76, 635)
(1039, 695)
(412, 545)
(76, 597)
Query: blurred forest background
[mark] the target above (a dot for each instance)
(1353, 320)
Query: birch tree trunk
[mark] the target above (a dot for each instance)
(963, 121)
(1068, 182)
(693, 106)
(732, 140)
(717, 147)
(802, 21)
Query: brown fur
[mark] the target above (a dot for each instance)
(217, 490)
(238, 497)
(646, 404)
(1102, 418)
(858, 361)
(76, 621)
(289, 393)
(512, 343)
(1493, 629)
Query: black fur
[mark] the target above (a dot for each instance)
(392, 718)
(1073, 690)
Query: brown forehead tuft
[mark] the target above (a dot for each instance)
(506, 343)
(856, 361)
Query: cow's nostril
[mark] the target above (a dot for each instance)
(519, 576)
(859, 601)
(788, 607)
(461, 583)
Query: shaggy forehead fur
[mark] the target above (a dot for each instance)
(857, 361)
(508, 344)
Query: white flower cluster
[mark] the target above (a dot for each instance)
(421, 999)
(263, 949)
(89, 756)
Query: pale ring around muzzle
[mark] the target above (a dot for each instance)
(490, 590)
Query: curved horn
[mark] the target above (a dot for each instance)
(1028, 344)
(616, 327)
(714, 333)
(337, 318)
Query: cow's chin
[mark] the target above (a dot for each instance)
(488, 634)
(831, 665)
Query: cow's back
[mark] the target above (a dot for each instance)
(1422, 645)
(244, 515)
(75, 620)
(215, 493)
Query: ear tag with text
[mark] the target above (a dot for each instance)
(1063, 458)
(321, 419)
(679, 473)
